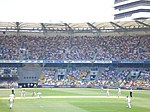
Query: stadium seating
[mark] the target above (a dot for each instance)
(129, 47)
(107, 78)
(75, 48)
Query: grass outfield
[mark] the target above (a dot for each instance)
(74, 100)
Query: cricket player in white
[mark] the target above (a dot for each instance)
(39, 94)
(23, 93)
(11, 100)
(108, 94)
(101, 89)
(129, 102)
(119, 91)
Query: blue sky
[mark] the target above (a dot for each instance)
(69, 11)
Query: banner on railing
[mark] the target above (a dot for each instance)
(74, 61)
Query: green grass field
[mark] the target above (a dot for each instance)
(62, 100)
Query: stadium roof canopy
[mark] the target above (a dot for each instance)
(118, 26)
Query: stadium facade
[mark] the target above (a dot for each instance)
(131, 9)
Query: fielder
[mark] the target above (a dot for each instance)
(119, 91)
(11, 100)
(101, 89)
(129, 102)
(33, 93)
(108, 94)
(23, 93)
(39, 94)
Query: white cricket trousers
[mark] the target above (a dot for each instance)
(11, 104)
(129, 104)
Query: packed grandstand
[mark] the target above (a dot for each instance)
(118, 58)
(75, 48)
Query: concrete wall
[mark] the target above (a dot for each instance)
(29, 74)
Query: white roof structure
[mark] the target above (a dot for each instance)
(116, 26)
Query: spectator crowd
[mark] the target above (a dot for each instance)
(27, 47)
(75, 48)
(106, 78)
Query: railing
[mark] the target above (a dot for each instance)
(75, 61)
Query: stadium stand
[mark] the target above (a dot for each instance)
(117, 56)
(75, 48)
(81, 77)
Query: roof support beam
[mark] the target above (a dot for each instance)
(17, 26)
(43, 27)
(67, 25)
(116, 25)
(143, 23)
(91, 25)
